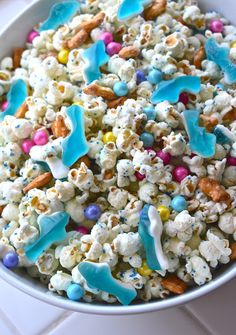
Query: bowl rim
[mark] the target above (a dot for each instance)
(83, 307)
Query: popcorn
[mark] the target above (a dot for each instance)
(47, 263)
(117, 198)
(227, 223)
(148, 192)
(174, 144)
(182, 226)
(60, 281)
(198, 270)
(125, 171)
(127, 244)
(215, 249)
(69, 256)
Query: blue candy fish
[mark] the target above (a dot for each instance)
(220, 56)
(98, 275)
(94, 57)
(150, 230)
(170, 90)
(131, 8)
(52, 229)
(60, 14)
(200, 142)
(75, 145)
(15, 97)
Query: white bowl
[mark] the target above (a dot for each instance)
(14, 35)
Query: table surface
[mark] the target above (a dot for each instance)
(22, 315)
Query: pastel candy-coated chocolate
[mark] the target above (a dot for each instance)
(75, 145)
(200, 142)
(52, 229)
(150, 230)
(170, 90)
(131, 8)
(60, 14)
(15, 97)
(75, 292)
(10, 260)
(98, 275)
(220, 56)
(94, 57)
(179, 203)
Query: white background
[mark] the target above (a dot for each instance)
(22, 315)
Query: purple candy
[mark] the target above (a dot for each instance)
(113, 48)
(106, 37)
(216, 26)
(92, 212)
(10, 260)
(231, 161)
(165, 156)
(140, 77)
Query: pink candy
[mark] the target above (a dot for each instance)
(106, 37)
(216, 26)
(179, 173)
(4, 105)
(40, 137)
(165, 156)
(113, 48)
(31, 36)
(27, 145)
(183, 98)
(83, 230)
(231, 161)
(139, 176)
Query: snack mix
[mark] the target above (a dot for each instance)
(118, 149)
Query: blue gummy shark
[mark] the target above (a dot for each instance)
(130, 8)
(60, 14)
(220, 56)
(94, 57)
(200, 142)
(150, 230)
(15, 97)
(171, 89)
(98, 275)
(75, 145)
(52, 229)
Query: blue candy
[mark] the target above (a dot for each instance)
(60, 14)
(179, 203)
(10, 260)
(147, 139)
(94, 57)
(150, 112)
(223, 135)
(220, 56)
(150, 230)
(200, 142)
(154, 77)
(120, 89)
(75, 145)
(131, 8)
(98, 275)
(15, 97)
(170, 90)
(75, 292)
(52, 229)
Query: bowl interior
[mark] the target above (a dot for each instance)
(15, 35)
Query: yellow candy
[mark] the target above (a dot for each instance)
(164, 212)
(109, 137)
(233, 44)
(144, 270)
(63, 56)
